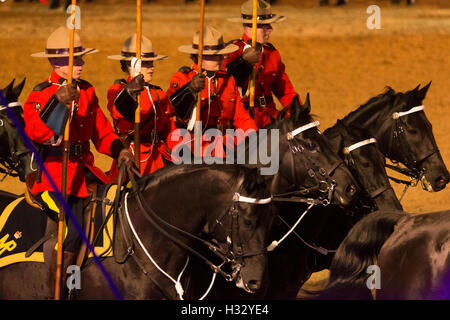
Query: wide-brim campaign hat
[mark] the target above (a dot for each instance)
(212, 43)
(264, 12)
(58, 44)
(129, 50)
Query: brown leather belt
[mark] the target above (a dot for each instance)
(75, 150)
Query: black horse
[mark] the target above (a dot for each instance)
(15, 158)
(404, 134)
(291, 169)
(146, 227)
(311, 247)
(310, 172)
(411, 253)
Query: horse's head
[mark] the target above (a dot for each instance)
(359, 150)
(15, 156)
(413, 142)
(243, 231)
(307, 160)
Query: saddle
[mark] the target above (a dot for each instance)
(92, 210)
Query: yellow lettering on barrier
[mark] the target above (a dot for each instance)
(10, 245)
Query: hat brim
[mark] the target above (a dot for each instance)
(275, 19)
(228, 49)
(120, 57)
(46, 55)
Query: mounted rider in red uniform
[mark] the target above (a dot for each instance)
(46, 110)
(271, 77)
(221, 106)
(156, 124)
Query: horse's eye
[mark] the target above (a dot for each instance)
(413, 131)
(247, 222)
(365, 164)
(311, 146)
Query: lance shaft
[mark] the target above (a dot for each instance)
(137, 115)
(253, 77)
(200, 69)
(65, 163)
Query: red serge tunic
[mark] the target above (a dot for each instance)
(88, 123)
(271, 77)
(221, 105)
(152, 98)
(225, 107)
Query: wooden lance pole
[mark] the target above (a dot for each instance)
(137, 115)
(253, 77)
(200, 53)
(65, 162)
(200, 62)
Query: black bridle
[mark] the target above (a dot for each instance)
(399, 145)
(325, 186)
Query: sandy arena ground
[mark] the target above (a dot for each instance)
(328, 51)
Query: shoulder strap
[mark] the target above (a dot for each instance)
(41, 86)
(185, 69)
(118, 81)
(151, 86)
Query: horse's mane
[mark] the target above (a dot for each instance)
(169, 173)
(388, 95)
(355, 132)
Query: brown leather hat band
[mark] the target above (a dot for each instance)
(143, 54)
(217, 47)
(64, 50)
(259, 17)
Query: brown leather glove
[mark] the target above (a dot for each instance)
(135, 86)
(126, 156)
(251, 55)
(66, 94)
(197, 83)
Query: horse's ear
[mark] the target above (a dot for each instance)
(416, 88)
(423, 92)
(18, 89)
(295, 107)
(306, 108)
(8, 89)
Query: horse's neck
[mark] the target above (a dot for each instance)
(334, 137)
(388, 201)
